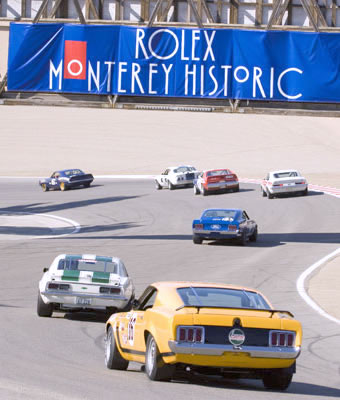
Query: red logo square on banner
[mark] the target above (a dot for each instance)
(75, 59)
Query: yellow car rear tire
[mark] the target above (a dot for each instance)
(156, 369)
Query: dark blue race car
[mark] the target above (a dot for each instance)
(66, 179)
(222, 223)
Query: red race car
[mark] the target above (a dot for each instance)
(216, 180)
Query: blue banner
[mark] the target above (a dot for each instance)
(174, 62)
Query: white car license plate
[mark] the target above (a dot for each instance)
(83, 301)
(215, 226)
(288, 184)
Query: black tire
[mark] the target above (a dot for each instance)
(305, 192)
(270, 196)
(171, 186)
(113, 359)
(277, 380)
(197, 240)
(44, 187)
(196, 190)
(243, 239)
(253, 237)
(204, 191)
(87, 185)
(155, 368)
(158, 186)
(237, 189)
(264, 193)
(43, 309)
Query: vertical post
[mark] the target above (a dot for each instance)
(233, 12)
(259, 12)
(23, 8)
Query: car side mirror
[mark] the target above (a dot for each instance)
(135, 304)
(45, 269)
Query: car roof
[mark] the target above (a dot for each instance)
(218, 169)
(283, 170)
(69, 169)
(183, 284)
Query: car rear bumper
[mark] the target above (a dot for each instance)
(287, 189)
(88, 300)
(217, 234)
(222, 185)
(218, 350)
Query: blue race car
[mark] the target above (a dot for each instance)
(222, 223)
(66, 179)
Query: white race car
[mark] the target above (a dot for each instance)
(283, 181)
(84, 282)
(173, 177)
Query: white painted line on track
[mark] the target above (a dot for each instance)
(76, 226)
(300, 285)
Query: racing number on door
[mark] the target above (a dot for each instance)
(131, 328)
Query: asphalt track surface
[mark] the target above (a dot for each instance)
(63, 357)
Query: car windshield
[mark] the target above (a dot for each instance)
(222, 298)
(73, 172)
(218, 173)
(288, 174)
(226, 215)
(79, 264)
(184, 169)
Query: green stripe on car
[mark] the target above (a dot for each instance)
(101, 277)
(70, 276)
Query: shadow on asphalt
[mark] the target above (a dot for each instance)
(264, 239)
(299, 388)
(85, 316)
(47, 208)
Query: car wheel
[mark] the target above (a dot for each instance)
(156, 369)
(237, 189)
(305, 192)
(196, 190)
(204, 191)
(44, 187)
(197, 240)
(264, 193)
(113, 359)
(43, 309)
(269, 195)
(279, 380)
(243, 239)
(87, 185)
(170, 186)
(62, 186)
(253, 237)
(158, 186)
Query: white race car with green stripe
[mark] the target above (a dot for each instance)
(87, 281)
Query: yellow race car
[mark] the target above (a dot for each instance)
(204, 327)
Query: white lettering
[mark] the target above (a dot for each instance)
(167, 71)
(194, 38)
(271, 82)
(257, 82)
(135, 78)
(121, 70)
(202, 80)
(109, 65)
(69, 69)
(209, 44)
(96, 78)
(152, 71)
(183, 57)
(241, 68)
(57, 73)
(140, 34)
(214, 80)
(283, 73)
(187, 74)
(226, 71)
(157, 33)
